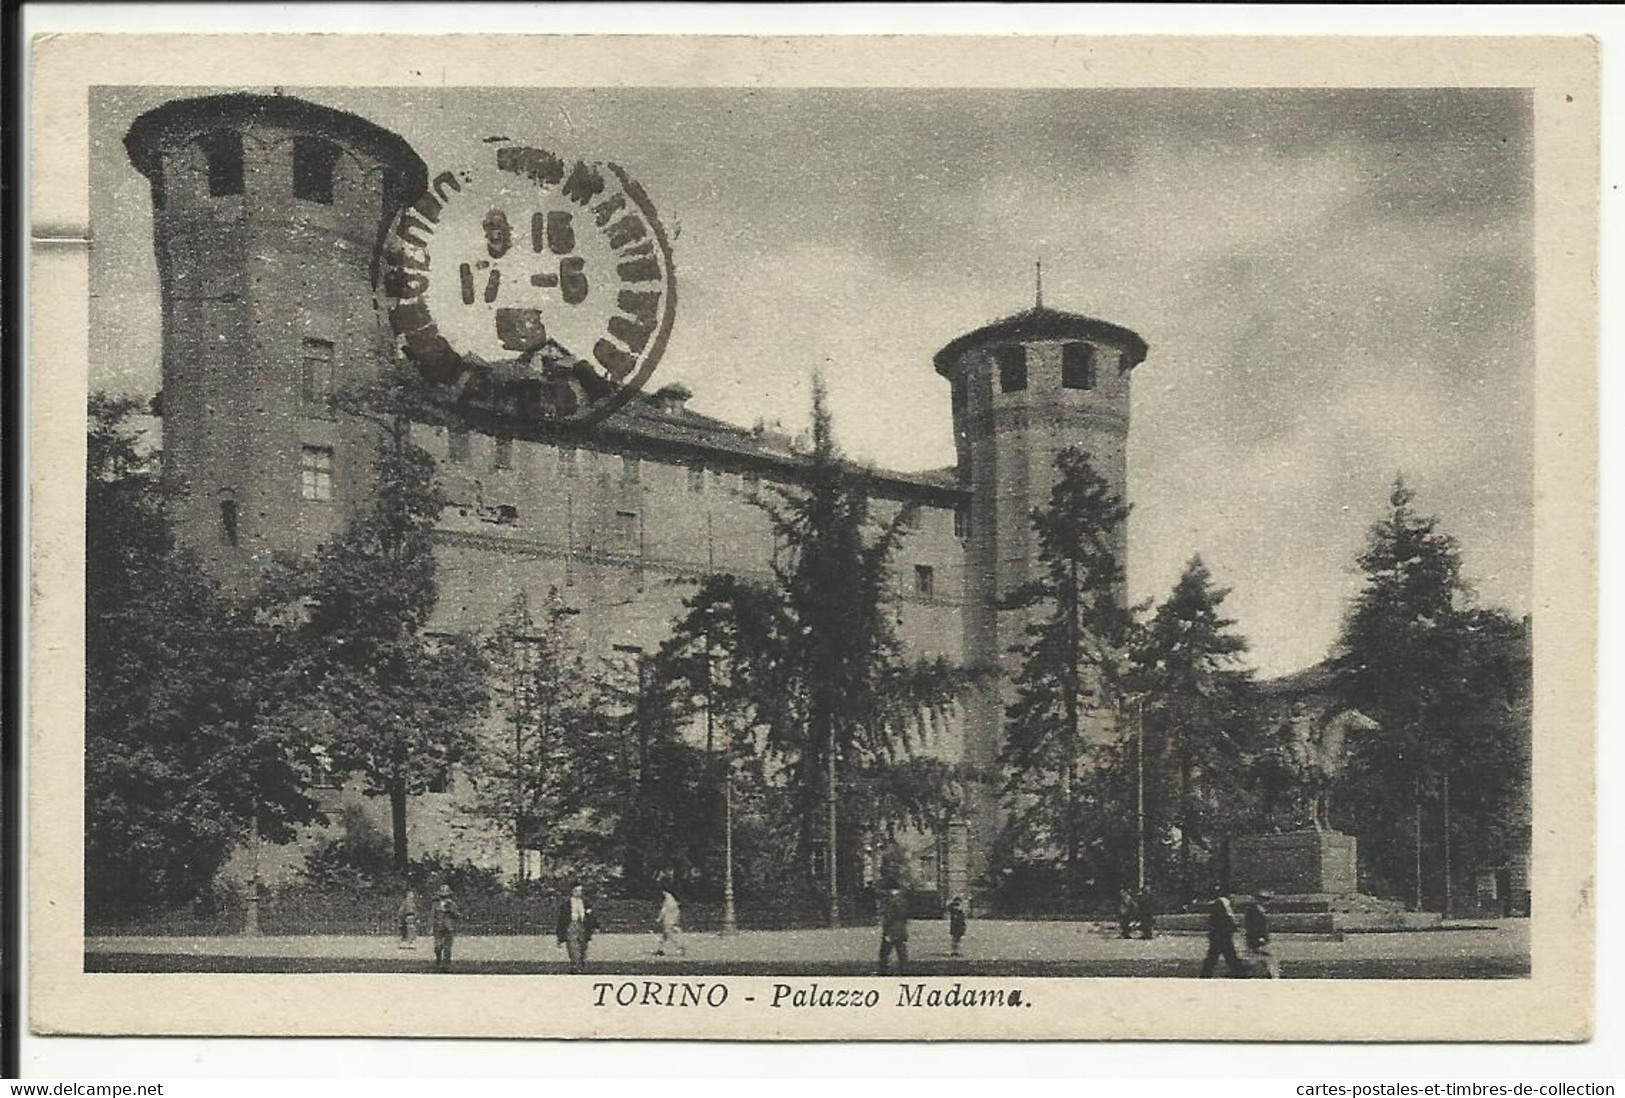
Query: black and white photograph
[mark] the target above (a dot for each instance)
(808, 557)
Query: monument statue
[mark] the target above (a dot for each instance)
(1317, 748)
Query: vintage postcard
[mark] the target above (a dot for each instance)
(772, 538)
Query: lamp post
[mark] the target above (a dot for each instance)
(251, 919)
(834, 881)
(1139, 783)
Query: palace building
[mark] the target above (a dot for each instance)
(268, 212)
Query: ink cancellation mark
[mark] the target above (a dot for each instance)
(500, 275)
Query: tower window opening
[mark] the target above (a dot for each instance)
(1012, 368)
(502, 454)
(316, 473)
(457, 444)
(626, 529)
(925, 580)
(631, 468)
(1078, 366)
(224, 151)
(313, 162)
(228, 520)
(696, 478)
(316, 373)
(567, 460)
(961, 523)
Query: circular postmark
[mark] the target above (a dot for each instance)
(532, 286)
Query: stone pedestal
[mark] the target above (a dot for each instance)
(1296, 863)
(1312, 879)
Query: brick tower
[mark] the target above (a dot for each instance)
(1024, 388)
(267, 213)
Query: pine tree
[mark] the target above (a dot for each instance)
(1447, 682)
(1068, 678)
(1196, 709)
(814, 666)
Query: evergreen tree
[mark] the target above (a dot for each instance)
(810, 666)
(1068, 678)
(183, 751)
(1448, 684)
(1198, 716)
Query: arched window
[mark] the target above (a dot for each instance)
(224, 150)
(313, 162)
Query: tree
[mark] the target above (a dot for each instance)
(809, 666)
(1198, 717)
(1447, 683)
(541, 687)
(394, 704)
(183, 751)
(1075, 636)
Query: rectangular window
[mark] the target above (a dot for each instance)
(1077, 366)
(316, 373)
(457, 444)
(567, 461)
(502, 454)
(631, 469)
(626, 530)
(224, 151)
(228, 520)
(313, 164)
(316, 473)
(1012, 362)
(696, 478)
(925, 580)
(961, 523)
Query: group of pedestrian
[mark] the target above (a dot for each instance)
(1221, 939)
(573, 929)
(1135, 910)
(894, 928)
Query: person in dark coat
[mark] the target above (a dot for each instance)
(1147, 913)
(408, 919)
(444, 916)
(1221, 938)
(1256, 922)
(894, 931)
(956, 922)
(576, 926)
(1261, 962)
(1128, 913)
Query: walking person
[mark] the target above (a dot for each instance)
(408, 918)
(1146, 912)
(1261, 962)
(1128, 913)
(576, 924)
(956, 922)
(445, 916)
(894, 931)
(671, 925)
(1221, 938)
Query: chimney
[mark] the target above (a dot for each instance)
(671, 398)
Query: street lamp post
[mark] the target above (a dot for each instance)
(1139, 783)
(832, 859)
(251, 919)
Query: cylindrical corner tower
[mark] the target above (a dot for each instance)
(267, 214)
(1024, 389)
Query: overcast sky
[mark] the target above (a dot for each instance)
(1336, 286)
